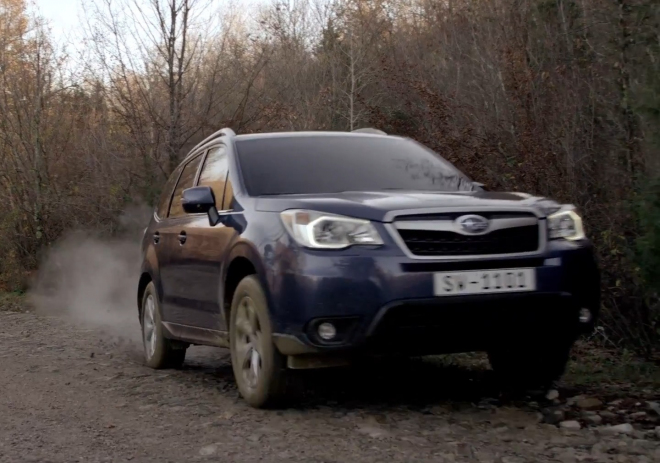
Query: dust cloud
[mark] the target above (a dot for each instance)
(92, 280)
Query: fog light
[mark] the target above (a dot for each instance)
(327, 331)
(585, 315)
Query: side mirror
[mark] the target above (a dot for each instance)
(198, 199)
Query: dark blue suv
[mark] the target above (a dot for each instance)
(305, 250)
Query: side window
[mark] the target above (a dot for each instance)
(166, 194)
(186, 181)
(214, 174)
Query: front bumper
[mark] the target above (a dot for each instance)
(385, 303)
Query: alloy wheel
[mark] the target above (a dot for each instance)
(249, 338)
(149, 327)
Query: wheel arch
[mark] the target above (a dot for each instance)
(244, 260)
(145, 279)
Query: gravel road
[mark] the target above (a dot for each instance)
(71, 394)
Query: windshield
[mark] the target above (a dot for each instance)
(332, 164)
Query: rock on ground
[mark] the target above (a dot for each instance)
(625, 428)
(570, 425)
(589, 403)
(593, 420)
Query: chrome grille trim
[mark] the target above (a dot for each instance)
(450, 225)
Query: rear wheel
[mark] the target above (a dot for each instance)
(159, 352)
(525, 367)
(259, 368)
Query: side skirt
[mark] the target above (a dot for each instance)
(196, 336)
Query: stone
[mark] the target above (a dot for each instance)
(380, 418)
(552, 394)
(255, 437)
(226, 415)
(373, 432)
(593, 420)
(643, 444)
(599, 448)
(589, 403)
(208, 450)
(607, 415)
(485, 457)
(570, 425)
(553, 415)
(573, 400)
(638, 415)
(465, 449)
(416, 440)
(625, 428)
(657, 432)
(567, 456)
(655, 407)
(508, 459)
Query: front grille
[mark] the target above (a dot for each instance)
(448, 243)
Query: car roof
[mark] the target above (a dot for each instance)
(271, 135)
(259, 136)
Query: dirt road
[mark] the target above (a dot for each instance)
(66, 394)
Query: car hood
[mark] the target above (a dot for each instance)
(383, 205)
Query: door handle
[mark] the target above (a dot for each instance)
(156, 238)
(182, 237)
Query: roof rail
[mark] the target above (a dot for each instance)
(226, 132)
(370, 130)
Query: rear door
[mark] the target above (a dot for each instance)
(160, 245)
(172, 242)
(198, 262)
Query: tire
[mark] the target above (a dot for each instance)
(525, 368)
(159, 352)
(259, 368)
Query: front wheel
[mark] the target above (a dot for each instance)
(259, 368)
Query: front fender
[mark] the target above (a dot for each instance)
(248, 251)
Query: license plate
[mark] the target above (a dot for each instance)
(484, 281)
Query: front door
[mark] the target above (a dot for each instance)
(171, 244)
(198, 259)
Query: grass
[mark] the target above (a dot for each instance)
(598, 368)
(14, 301)
(592, 369)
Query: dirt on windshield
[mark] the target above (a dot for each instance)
(69, 393)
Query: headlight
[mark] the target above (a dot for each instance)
(326, 231)
(566, 224)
